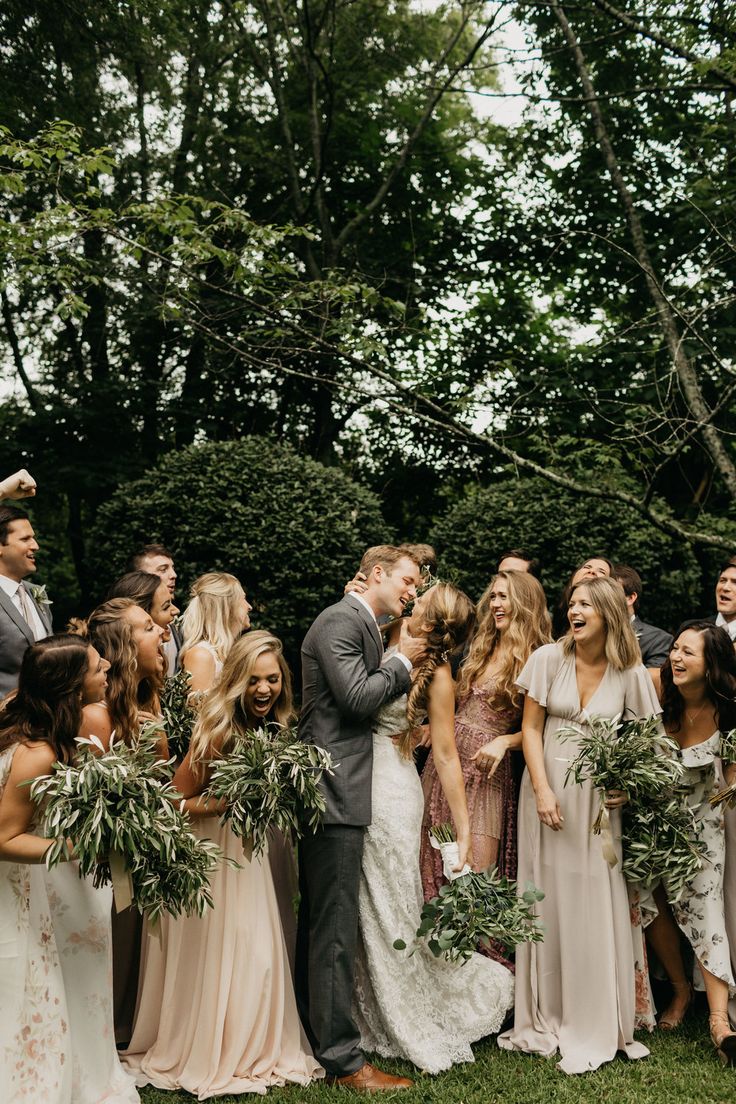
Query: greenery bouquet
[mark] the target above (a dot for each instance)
(270, 779)
(660, 839)
(123, 817)
(727, 796)
(178, 713)
(475, 908)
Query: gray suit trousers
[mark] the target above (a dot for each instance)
(327, 936)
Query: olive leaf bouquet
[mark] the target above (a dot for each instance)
(660, 839)
(121, 807)
(177, 712)
(270, 779)
(727, 796)
(473, 909)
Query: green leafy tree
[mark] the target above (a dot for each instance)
(290, 529)
(563, 530)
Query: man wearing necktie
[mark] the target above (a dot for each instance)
(23, 620)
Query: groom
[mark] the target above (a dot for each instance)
(344, 684)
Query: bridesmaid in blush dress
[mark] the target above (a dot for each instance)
(575, 991)
(512, 622)
(216, 1009)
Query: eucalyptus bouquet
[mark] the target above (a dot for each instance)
(727, 796)
(476, 908)
(178, 714)
(660, 839)
(123, 816)
(270, 779)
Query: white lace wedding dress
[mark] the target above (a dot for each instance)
(417, 1007)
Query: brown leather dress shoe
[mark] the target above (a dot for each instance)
(368, 1079)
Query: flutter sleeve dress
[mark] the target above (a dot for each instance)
(575, 991)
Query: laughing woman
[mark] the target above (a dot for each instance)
(216, 1011)
(575, 992)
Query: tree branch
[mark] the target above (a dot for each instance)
(17, 355)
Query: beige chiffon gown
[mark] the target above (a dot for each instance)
(575, 991)
(216, 1009)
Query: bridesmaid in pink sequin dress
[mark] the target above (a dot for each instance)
(512, 622)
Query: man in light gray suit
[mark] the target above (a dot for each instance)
(23, 618)
(344, 684)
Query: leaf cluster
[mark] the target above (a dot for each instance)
(660, 838)
(123, 801)
(474, 909)
(270, 779)
(178, 714)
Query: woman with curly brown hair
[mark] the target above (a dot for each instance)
(423, 1009)
(512, 621)
(127, 637)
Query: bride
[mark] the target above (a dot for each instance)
(421, 1008)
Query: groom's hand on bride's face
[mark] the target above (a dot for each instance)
(413, 647)
(357, 585)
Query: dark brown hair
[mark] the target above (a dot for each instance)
(134, 563)
(535, 565)
(48, 703)
(630, 580)
(720, 677)
(141, 586)
(9, 514)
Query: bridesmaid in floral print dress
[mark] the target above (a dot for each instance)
(56, 1030)
(512, 622)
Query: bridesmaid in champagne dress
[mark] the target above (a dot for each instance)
(575, 991)
(216, 1008)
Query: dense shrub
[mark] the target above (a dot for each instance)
(563, 530)
(289, 528)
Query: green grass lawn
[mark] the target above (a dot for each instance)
(682, 1067)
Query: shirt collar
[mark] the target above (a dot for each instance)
(361, 599)
(729, 626)
(10, 586)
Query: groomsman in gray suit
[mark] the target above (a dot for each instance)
(24, 617)
(344, 683)
(654, 643)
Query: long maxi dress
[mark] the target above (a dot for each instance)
(575, 991)
(56, 1028)
(417, 1007)
(216, 1008)
(481, 716)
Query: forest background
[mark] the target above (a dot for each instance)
(282, 279)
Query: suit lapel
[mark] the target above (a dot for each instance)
(15, 616)
(42, 611)
(369, 620)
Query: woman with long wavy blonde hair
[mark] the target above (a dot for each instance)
(216, 616)
(240, 1032)
(512, 622)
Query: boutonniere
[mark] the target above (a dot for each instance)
(38, 594)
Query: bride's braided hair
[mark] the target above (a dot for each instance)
(447, 616)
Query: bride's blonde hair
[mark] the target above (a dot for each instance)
(448, 616)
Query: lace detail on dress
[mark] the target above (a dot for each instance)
(420, 1008)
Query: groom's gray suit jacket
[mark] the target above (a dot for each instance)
(343, 684)
(15, 636)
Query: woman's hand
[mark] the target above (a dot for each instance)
(548, 809)
(614, 799)
(490, 757)
(425, 736)
(465, 849)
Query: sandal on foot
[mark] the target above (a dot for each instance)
(670, 1021)
(724, 1039)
